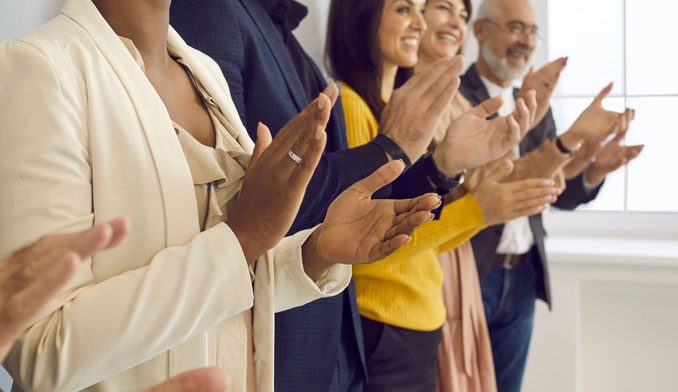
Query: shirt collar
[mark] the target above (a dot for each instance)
(286, 14)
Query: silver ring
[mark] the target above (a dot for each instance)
(296, 158)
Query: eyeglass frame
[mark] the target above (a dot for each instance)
(522, 29)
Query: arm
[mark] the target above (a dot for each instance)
(95, 329)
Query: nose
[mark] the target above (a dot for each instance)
(418, 22)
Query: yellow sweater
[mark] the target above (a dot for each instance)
(404, 289)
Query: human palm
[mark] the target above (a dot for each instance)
(595, 122)
(360, 230)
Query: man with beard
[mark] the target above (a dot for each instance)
(511, 258)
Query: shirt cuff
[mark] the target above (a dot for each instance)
(589, 188)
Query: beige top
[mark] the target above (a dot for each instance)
(218, 173)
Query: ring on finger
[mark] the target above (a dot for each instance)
(296, 158)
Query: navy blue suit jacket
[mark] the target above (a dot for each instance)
(485, 243)
(241, 37)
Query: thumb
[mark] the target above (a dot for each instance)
(264, 140)
(488, 107)
(500, 172)
(604, 93)
(380, 178)
(529, 74)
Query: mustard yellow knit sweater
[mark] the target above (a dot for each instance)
(405, 289)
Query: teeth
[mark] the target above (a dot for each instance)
(411, 41)
(449, 38)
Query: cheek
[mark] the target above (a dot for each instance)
(389, 35)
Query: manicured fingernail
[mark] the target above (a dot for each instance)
(438, 204)
(431, 217)
(321, 102)
(330, 86)
(319, 132)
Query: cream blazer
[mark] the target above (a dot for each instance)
(84, 138)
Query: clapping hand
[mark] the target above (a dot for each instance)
(595, 123)
(544, 82)
(414, 111)
(30, 277)
(611, 157)
(472, 140)
(276, 180)
(501, 201)
(359, 230)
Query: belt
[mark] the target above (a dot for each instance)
(510, 261)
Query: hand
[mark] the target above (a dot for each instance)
(472, 141)
(545, 162)
(274, 185)
(501, 202)
(415, 109)
(31, 276)
(359, 230)
(544, 82)
(610, 158)
(594, 123)
(585, 155)
(212, 379)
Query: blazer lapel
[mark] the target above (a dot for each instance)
(278, 48)
(478, 92)
(174, 176)
(213, 81)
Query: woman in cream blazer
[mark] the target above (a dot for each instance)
(85, 139)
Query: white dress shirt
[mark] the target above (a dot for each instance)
(517, 236)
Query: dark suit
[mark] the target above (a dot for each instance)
(318, 347)
(485, 243)
(509, 294)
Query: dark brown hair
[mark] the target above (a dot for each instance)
(352, 52)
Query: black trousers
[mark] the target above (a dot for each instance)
(400, 360)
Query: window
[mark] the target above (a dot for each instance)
(627, 42)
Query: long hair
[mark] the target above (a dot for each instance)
(352, 52)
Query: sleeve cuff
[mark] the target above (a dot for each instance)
(293, 287)
(588, 187)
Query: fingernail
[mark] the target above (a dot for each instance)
(438, 204)
(430, 218)
(329, 88)
(319, 132)
(402, 162)
(321, 102)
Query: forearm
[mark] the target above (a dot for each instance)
(575, 194)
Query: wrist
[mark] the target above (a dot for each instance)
(593, 175)
(315, 265)
(393, 148)
(448, 169)
(249, 248)
(571, 140)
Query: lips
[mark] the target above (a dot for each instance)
(448, 38)
(518, 52)
(411, 42)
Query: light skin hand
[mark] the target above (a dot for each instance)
(544, 82)
(211, 379)
(31, 276)
(594, 123)
(359, 230)
(610, 158)
(274, 184)
(414, 111)
(501, 202)
(472, 141)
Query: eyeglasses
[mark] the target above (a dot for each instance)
(518, 28)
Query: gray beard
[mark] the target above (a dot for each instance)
(498, 68)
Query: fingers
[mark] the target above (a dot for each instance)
(429, 201)
(311, 153)
(531, 101)
(444, 97)
(120, 229)
(487, 107)
(537, 189)
(24, 305)
(408, 222)
(317, 113)
(500, 172)
(212, 379)
(632, 152)
(523, 116)
(332, 92)
(385, 248)
(513, 136)
(379, 179)
(604, 93)
(429, 77)
(264, 140)
(530, 211)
